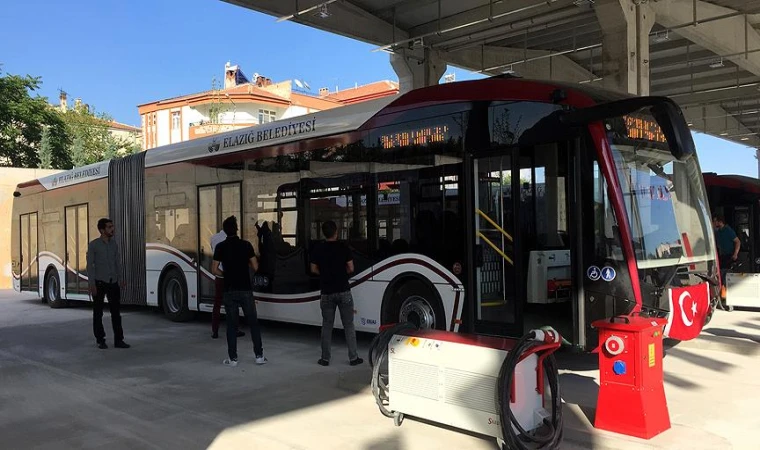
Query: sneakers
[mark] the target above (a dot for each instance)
(230, 362)
(355, 362)
(260, 360)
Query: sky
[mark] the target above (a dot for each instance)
(117, 55)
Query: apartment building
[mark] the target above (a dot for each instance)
(242, 102)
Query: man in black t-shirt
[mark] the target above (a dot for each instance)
(333, 262)
(237, 257)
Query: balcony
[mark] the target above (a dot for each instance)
(199, 130)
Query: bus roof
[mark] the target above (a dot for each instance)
(318, 124)
(333, 121)
(740, 182)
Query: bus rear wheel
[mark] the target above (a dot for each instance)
(415, 302)
(51, 292)
(174, 297)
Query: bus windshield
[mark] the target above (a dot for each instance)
(664, 196)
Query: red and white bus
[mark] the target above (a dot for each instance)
(488, 206)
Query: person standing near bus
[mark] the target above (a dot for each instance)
(104, 276)
(333, 262)
(237, 257)
(218, 289)
(728, 245)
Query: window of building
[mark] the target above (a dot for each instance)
(175, 120)
(266, 116)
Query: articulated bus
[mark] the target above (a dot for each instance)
(488, 206)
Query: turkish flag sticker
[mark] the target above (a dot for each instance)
(688, 310)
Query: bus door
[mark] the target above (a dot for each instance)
(495, 266)
(29, 264)
(215, 203)
(77, 240)
(544, 234)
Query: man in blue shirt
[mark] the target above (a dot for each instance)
(728, 244)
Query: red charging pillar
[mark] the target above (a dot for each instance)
(631, 390)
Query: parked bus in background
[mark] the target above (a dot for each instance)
(488, 206)
(737, 199)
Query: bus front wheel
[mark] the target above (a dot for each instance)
(174, 296)
(415, 302)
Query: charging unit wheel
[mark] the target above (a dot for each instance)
(398, 418)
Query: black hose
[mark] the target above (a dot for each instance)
(518, 440)
(378, 355)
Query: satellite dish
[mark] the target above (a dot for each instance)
(307, 85)
(298, 83)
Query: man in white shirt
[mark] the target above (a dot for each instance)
(218, 290)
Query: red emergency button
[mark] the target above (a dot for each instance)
(614, 345)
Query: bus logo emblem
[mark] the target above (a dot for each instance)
(213, 146)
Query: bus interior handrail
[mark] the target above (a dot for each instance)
(492, 222)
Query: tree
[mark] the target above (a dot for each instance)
(92, 131)
(45, 153)
(78, 152)
(111, 151)
(133, 148)
(22, 121)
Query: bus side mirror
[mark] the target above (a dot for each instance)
(674, 127)
(664, 110)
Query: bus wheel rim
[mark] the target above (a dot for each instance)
(417, 307)
(173, 295)
(52, 288)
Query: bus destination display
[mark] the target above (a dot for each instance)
(643, 129)
(421, 136)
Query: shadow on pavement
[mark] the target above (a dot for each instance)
(732, 334)
(388, 443)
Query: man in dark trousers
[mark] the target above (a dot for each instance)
(218, 290)
(104, 275)
(237, 257)
(333, 262)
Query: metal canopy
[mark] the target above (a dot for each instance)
(704, 54)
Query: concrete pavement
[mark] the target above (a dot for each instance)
(171, 391)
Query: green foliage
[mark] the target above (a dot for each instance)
(95, 141)
(78, 152)
(23, 119)
(45, 153)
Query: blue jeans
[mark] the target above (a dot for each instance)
(345, 304)
(232, 302)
